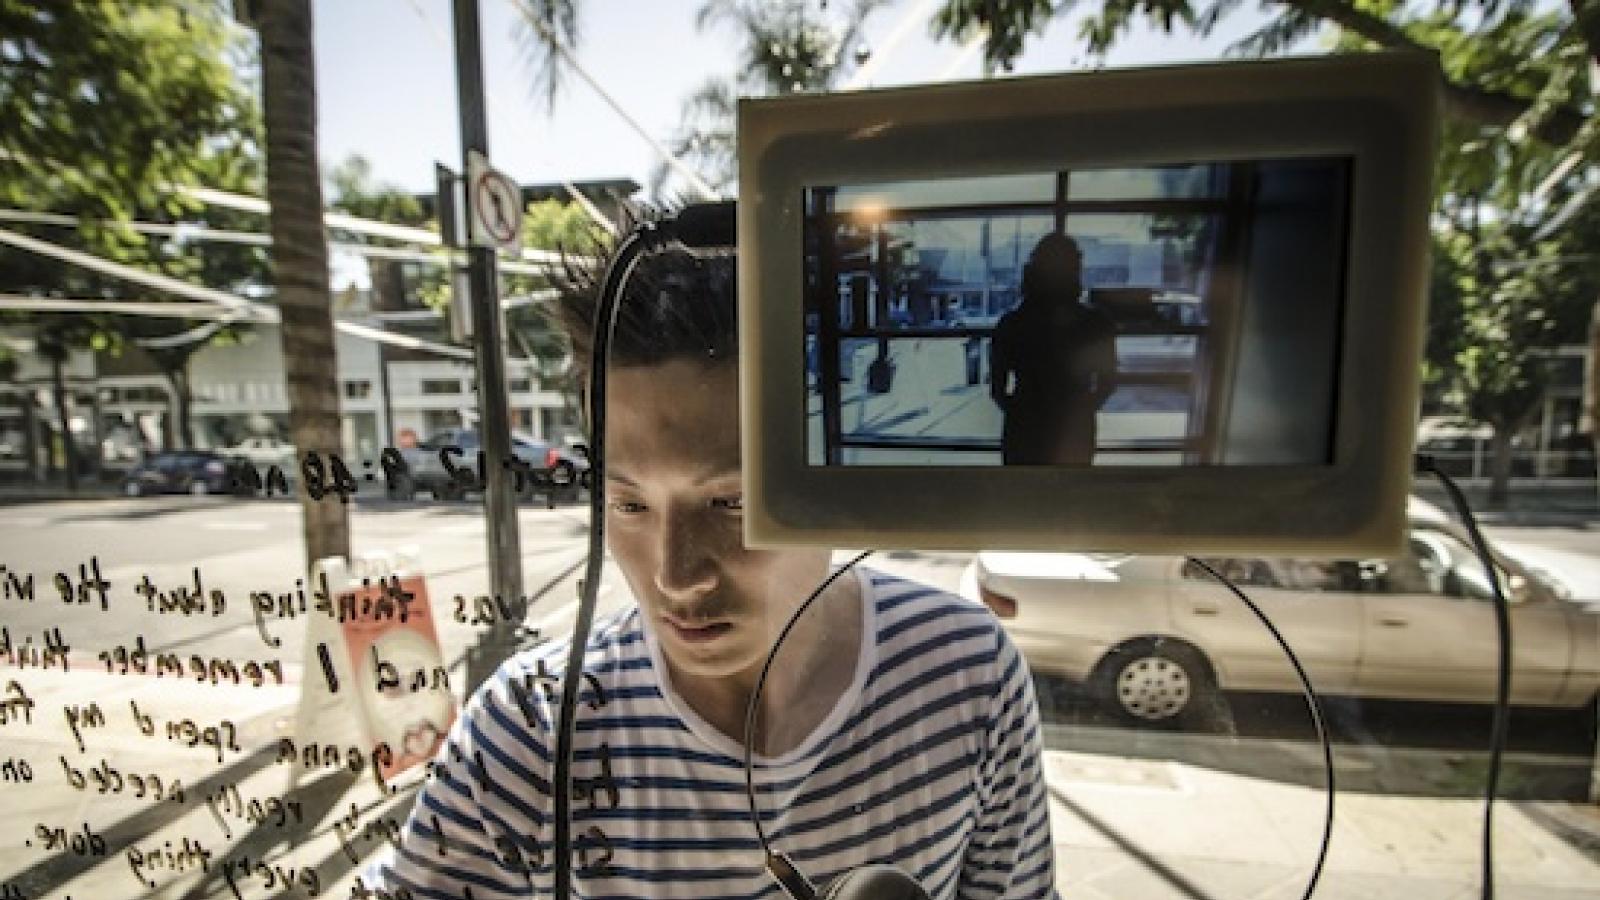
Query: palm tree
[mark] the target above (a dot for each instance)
(300, 255)
(788, 48)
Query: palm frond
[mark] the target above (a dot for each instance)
(546, 31)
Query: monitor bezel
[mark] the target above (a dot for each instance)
(1380, 110)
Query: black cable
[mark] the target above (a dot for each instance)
(1313, 703)
(644, 236)
(793, 882)
(1502, 696)
(703, 225)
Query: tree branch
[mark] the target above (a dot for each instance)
(1492, 108)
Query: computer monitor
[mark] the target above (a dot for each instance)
(1172, 309)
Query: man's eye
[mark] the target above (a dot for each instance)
(627, 507)
(733, 503)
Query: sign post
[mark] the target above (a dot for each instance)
(500, 502)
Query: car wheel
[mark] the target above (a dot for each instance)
(1155, 682)
(450, 491)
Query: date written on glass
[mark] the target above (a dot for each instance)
(446, 473)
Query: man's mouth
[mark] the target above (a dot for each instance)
(698, 632)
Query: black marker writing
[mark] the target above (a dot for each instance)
(80, 717)
(52, 655)
(86, 589)
(15, 586)
(16, 704)
(327, 668)
(191, 854)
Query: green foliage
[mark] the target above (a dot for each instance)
(554, 225)
(1513, 273)
(106, 103)
(354, 191)
(105, 108)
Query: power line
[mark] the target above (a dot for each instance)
(185, 231)
(693, 177)
(234, 307)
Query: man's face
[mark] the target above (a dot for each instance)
(674, 519)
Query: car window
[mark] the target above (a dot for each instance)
(1242, 572)
(1462, 572)
(1420, 571)
(1303, 575)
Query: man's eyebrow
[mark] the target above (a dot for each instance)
(618, 476)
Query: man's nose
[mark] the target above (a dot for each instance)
(687, 567)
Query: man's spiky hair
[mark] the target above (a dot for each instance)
(679, 304)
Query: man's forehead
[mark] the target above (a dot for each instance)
(678, 412)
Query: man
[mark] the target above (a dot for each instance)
(899, 725)
(1063, 355)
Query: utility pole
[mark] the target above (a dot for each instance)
(494, 427)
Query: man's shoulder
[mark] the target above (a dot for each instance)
(922, 621)
(897, 596)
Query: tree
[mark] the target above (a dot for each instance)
(785, 48)
(104, 109)
(355, 192)
(1519, 161)
(106, 102)
(300, 256)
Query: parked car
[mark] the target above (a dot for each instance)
(195, 472)
(262, 452)
(560, 468)
(1149, 636)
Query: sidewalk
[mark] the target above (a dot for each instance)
(1150, 828)
(1129, 827)
(1564, 503)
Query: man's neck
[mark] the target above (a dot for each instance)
(811, 675)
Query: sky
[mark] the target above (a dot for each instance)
(387, 89)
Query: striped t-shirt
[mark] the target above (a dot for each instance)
(930, 761)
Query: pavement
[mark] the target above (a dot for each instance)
(1130, 820)
(1136, 814)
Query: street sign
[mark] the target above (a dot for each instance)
(496, 205)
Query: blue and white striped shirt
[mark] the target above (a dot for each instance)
(931, 761)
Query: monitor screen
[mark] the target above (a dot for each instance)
(1175, 309)
(1172, 315)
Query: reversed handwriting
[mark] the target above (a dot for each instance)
(187, 856)
(138, 660)
(16, 704)
(81, 842)
(108, 779)
(81, 717)
(53, 655)
(274, 877)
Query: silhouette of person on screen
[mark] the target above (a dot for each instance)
(1053, 362)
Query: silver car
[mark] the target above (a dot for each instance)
(1150, 636)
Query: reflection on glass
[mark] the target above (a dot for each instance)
(1163, 329)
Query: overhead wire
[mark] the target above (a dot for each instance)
(233, 307)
